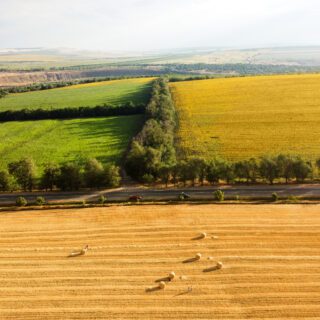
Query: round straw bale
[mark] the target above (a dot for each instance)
(198, 256)
(203, 235)
(162, 284)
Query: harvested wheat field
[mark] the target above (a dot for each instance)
(270, 267)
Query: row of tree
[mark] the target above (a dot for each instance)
(270, 169)
(153, 147)
(3, 93)
(72, 113)
(21, 175)
(238, 68)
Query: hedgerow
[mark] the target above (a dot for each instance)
(153, 148)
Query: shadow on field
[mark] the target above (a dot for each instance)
(152, 289)
(101, 134)
(165, 279)
(210, 269)
(190, 260)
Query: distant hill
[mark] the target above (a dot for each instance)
(46, 58)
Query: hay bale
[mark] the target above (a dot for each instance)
(198, 256)
(214, 237)
(172, 275)
(219, 265)
(79, 253)
(203, 235)
(162, 284)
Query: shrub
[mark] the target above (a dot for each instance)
(218, 195)
(102, 199)
(181, 197)
(274, 197)
(147, 178)
(293, 198)
(21, 202)
(40, 201)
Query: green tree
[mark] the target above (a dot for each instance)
(214, 172)
(197, 170)
(24, 173)
(165, 174)
(112, 177)
(301, 169)
(93, 175)
(318, 164)
(285, 167)
(194, 167)
(3, 93)
(247, 169)
(6, 181)
(153, 161)
(49, 176)
(175, 174)
(184, 173)
(226, 171)
(136, 161)
(269, 169)
(152, 135)
(69, 177)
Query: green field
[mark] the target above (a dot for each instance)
(247, 117)
(111, 92)
(60, 140)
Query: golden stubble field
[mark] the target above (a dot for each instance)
(270, 256)
(239, 118)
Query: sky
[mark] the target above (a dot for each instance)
(151, 25)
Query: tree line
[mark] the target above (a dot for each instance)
(104, 110)
(152, 150)
(196, 170)
(239, 68)
(21, 175)
(3, 93)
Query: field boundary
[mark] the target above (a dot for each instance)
(72, 113)
(80, 205)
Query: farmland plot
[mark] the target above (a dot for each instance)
(91, 94)
(239, 118)
(67, 140)
(270, 256)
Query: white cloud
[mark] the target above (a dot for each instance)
(157, 24)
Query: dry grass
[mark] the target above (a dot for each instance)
(270, 255)
(240, 118)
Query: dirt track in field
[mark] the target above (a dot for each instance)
(270, 255)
